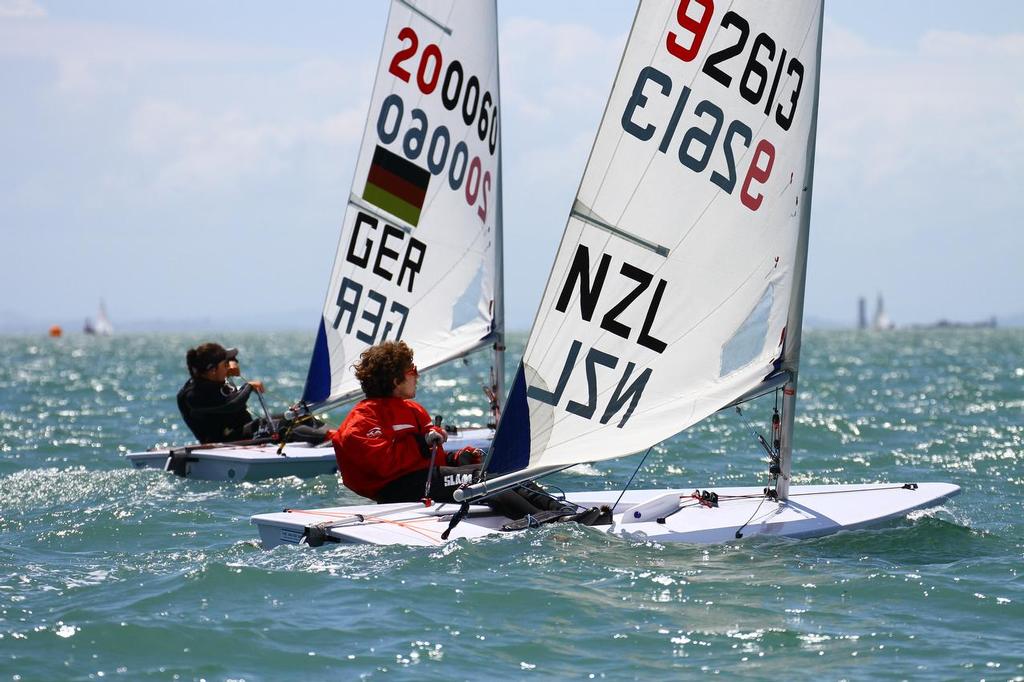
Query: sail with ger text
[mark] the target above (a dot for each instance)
(416, 258)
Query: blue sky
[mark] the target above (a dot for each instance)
(191, 161)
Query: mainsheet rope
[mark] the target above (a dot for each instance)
(630, 482)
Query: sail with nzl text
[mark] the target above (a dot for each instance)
(670, 294)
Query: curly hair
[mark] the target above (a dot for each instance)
(380, 366)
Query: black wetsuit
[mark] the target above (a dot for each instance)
(216, 413)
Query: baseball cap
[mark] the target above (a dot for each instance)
(205, 357)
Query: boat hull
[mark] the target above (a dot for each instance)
(261, 462)
(641, 515)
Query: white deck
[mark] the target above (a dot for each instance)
(260, 462)
(655, 515)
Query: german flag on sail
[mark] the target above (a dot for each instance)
(396, 185)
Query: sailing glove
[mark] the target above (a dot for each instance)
(467, 455)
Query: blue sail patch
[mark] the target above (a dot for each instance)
(510, 450)
(318, 380)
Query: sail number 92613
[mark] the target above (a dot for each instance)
(756, 79)
(698, 143)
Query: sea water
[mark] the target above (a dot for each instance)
(110, 572)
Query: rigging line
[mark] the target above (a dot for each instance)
(739, 531)
(754, 432)
(375, 519)
(753, 496)
(905, 486)
(630, 482)
(263, 404)
(424, 15)
(342, 514)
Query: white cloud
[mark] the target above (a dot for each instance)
(839, 42)
(952, 104)
(555, 82)
(178, 114)
(94, 58)
(190, 150)
(21, 9)
(549, 69)
(109, 43)
(918, 167)
(967, 46)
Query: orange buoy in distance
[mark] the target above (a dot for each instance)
(56, 331)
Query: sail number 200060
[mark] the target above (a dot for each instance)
(458, 93)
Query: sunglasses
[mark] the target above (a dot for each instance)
(412, 371)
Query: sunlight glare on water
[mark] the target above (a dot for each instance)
(115, 573)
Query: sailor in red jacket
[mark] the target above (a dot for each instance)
(385, 445)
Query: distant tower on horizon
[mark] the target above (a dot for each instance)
(882, 320)
(862, 313)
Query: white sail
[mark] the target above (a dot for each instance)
(671, 290)
(417, 256)
(103, 327)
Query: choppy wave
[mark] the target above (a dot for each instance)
(133, 574)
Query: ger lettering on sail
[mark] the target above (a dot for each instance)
(419, 255)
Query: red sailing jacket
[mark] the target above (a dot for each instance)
(375, 444)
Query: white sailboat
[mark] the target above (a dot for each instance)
(420, 253)
(101, 326)
(677, 291)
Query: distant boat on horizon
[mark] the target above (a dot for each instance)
(101, 325)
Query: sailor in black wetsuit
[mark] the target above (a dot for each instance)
(215, 410)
